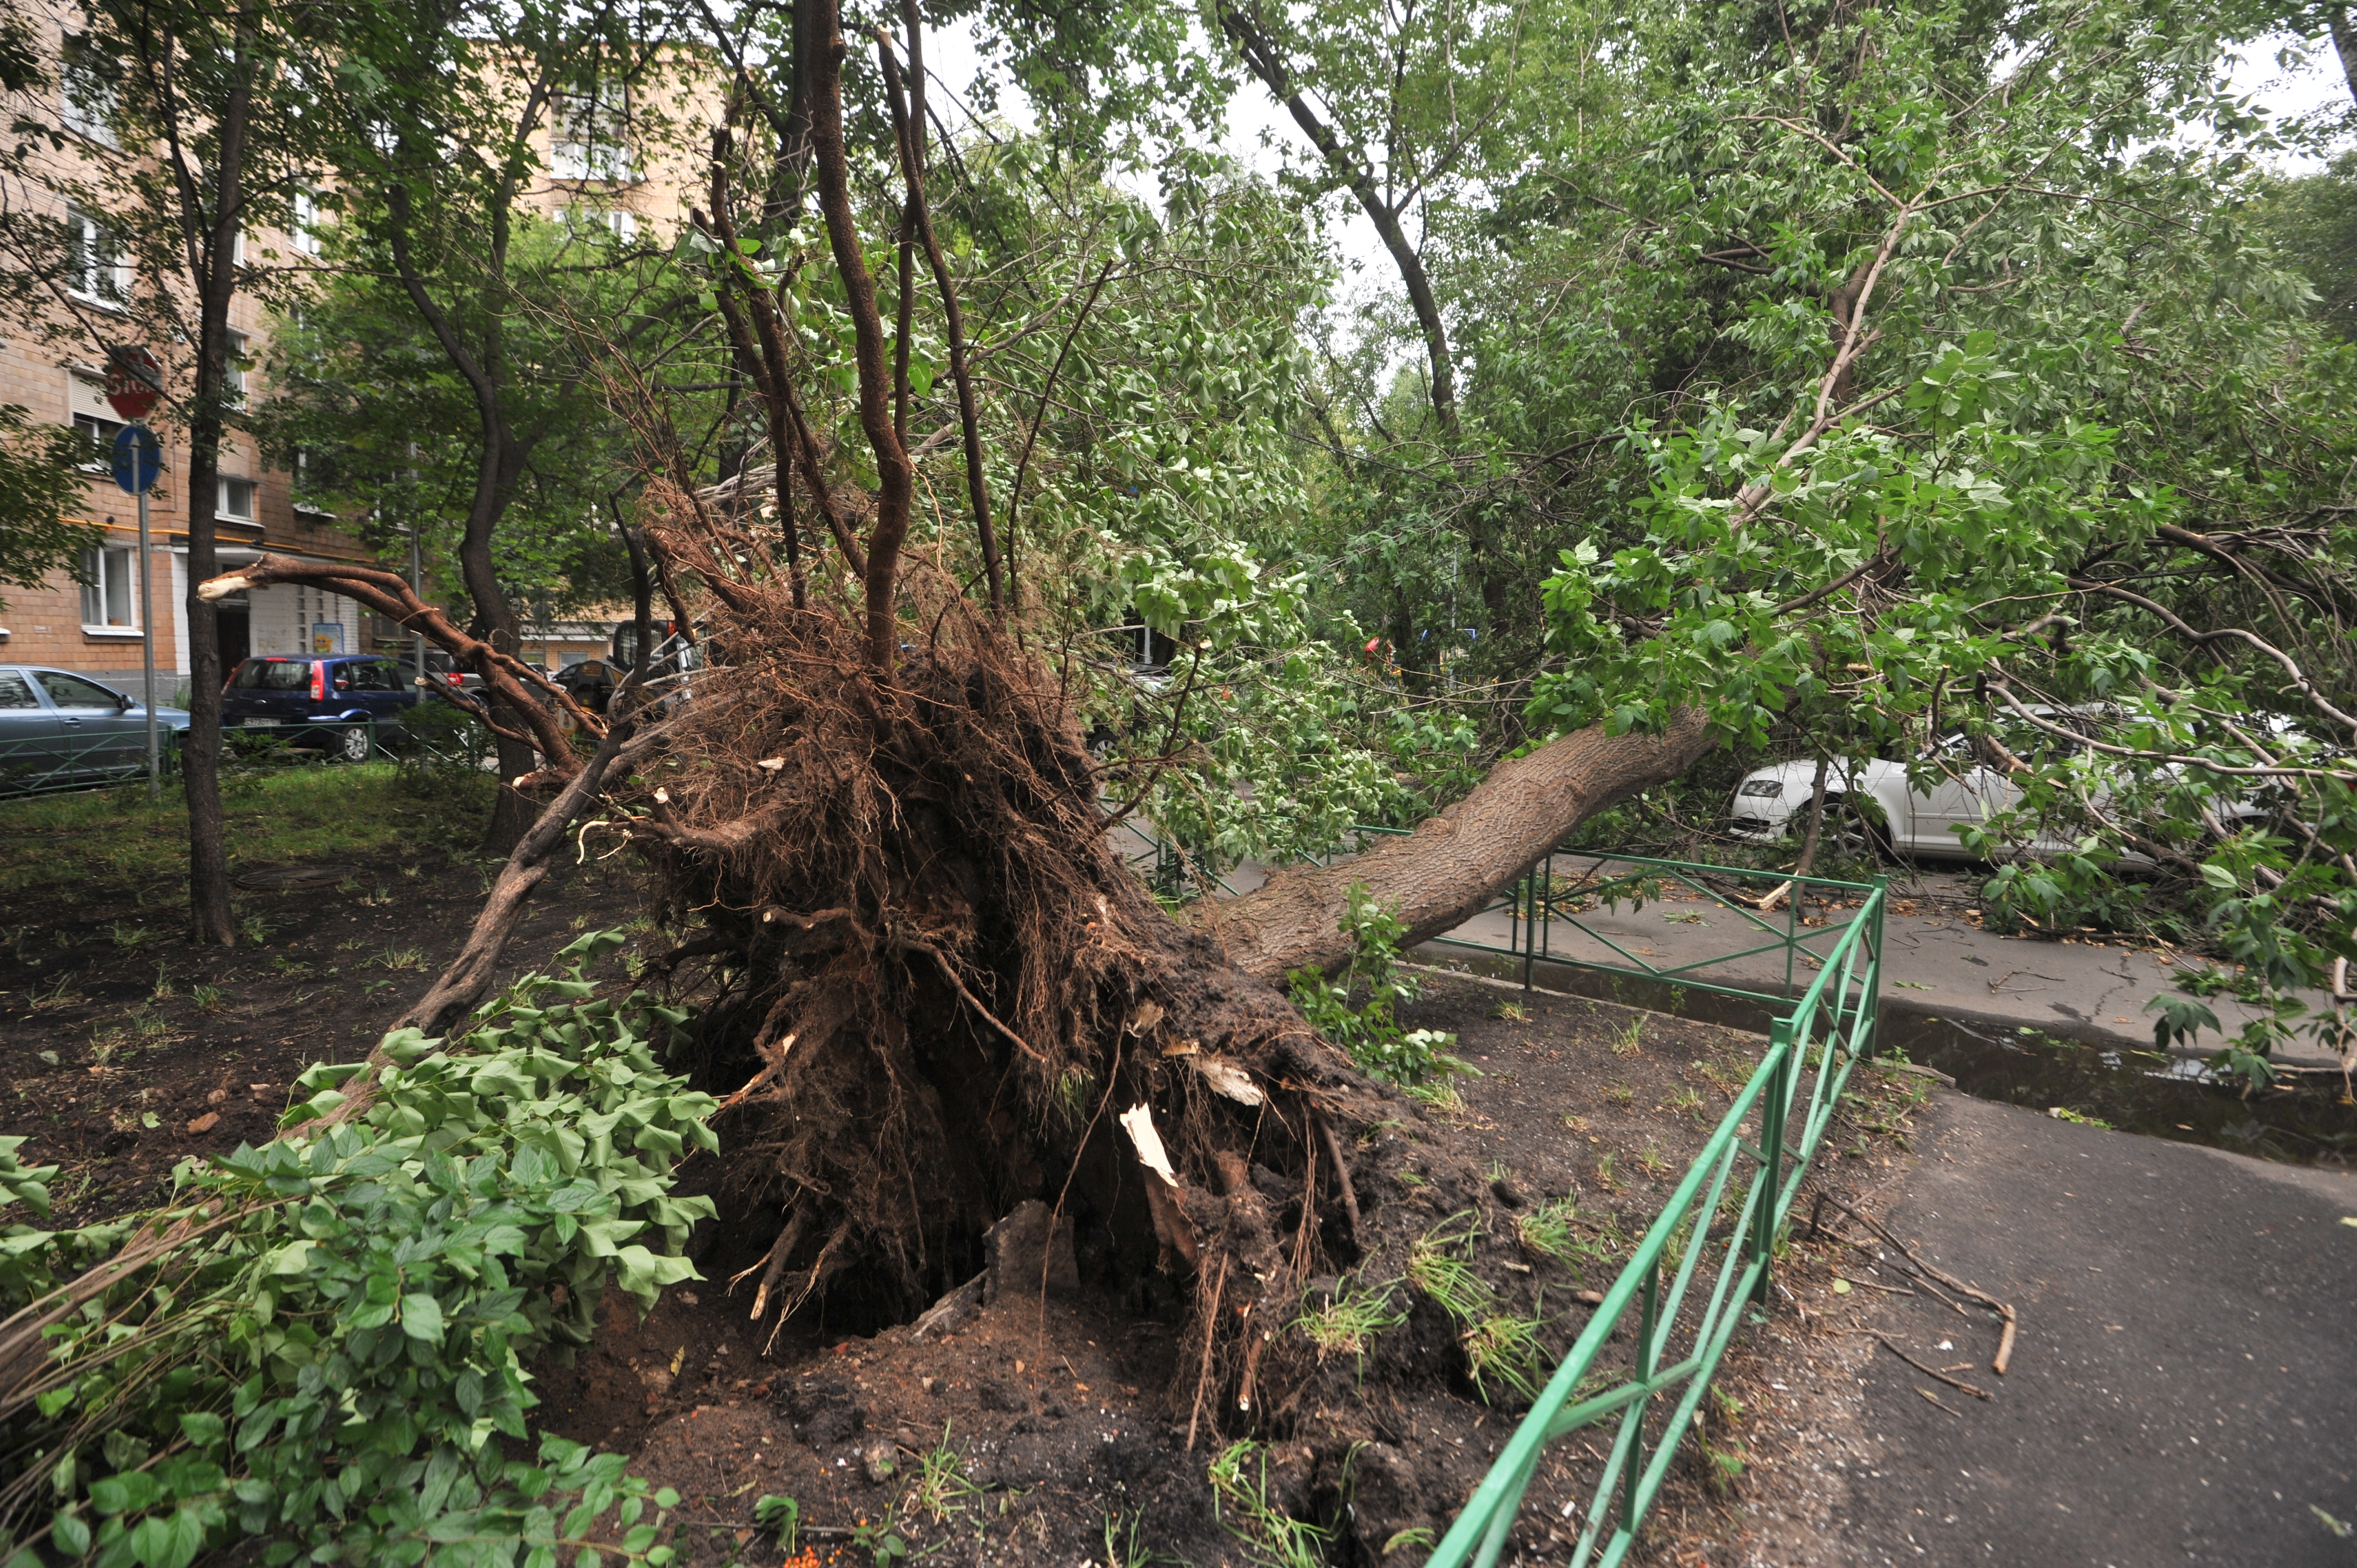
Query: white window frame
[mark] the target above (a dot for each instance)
(100, 276)
(589, 137)
(102, 431)
(234, 362)
(85, 104)
(303, 222)
(109, 588)
(245, 489)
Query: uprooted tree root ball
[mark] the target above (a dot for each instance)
(932, 993)
(936, 994)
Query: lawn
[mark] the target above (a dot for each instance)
(116, 836)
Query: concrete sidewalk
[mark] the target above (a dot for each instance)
(1938, 962)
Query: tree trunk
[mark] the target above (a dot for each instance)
(1450, 868)
(1263, 59)
(496, 623)
(2344, 43)
(499, 465)
(211, 220)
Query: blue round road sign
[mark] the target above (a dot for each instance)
(138, 458)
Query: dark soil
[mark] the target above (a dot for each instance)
(1028, 1431)
(1038, 1432)
(122, 1060)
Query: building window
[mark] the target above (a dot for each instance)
(85, 93)
(237, 363)
(236, 501)
(621, 222)
(106, 589)
(95, 270)
(305, 223)
(590, 138)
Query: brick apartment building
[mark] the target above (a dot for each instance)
(93, 625)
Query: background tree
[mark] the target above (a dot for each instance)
(192, 135)
(441, 117)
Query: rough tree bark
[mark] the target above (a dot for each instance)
(210, 200)
(1443, 874)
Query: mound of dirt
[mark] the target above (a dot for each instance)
(1024, 1427)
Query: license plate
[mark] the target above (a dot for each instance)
(262, 724)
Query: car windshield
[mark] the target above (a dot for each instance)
(368, 675)
(273, 675)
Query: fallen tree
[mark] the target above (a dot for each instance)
(931, 989)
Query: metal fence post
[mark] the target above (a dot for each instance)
(1873, 936)
(1648, 1354)
(1781, 1050)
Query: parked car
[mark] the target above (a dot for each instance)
(57, 728)
(589, 682)
(441, 665)
(329, 704)
(1872, 807)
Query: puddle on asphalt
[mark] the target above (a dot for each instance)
(2305, 1121)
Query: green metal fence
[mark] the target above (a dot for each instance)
(1547, 898)
(80, 761)
(1720, 1227)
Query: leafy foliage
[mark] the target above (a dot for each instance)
(1368, 1030)
(41, 483)
(321, 1342)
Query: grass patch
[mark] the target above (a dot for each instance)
(1342, 1324)
(118, 835)
(1240, 1496)
(1437, 1265)
(942, 1485)
(1506, 1348)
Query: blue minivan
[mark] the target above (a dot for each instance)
(346, 703)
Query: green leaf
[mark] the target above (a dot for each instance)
(421, 1317)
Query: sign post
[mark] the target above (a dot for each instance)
(134, 381)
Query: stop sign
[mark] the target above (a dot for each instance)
(134, 380)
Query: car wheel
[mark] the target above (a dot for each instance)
(1851, 834)
(352, 743)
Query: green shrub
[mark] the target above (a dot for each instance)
(325, 1348)
(1368, 1030)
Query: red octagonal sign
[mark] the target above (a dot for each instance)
(134, 380)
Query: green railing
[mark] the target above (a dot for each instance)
(79, 760)
(1544, 900)
(1706, 1231)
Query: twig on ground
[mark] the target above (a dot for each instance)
(2005, 1339)
(1933, 1372)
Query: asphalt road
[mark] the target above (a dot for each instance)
(2185, 1386)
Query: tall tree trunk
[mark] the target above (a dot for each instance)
(1447, 870)
(1266, 61)
(500, 462)
(2344, 43)
(211, 218)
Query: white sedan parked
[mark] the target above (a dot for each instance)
(1871, 805)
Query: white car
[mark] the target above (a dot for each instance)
(1871, 806)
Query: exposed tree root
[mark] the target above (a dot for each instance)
(934, 990)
